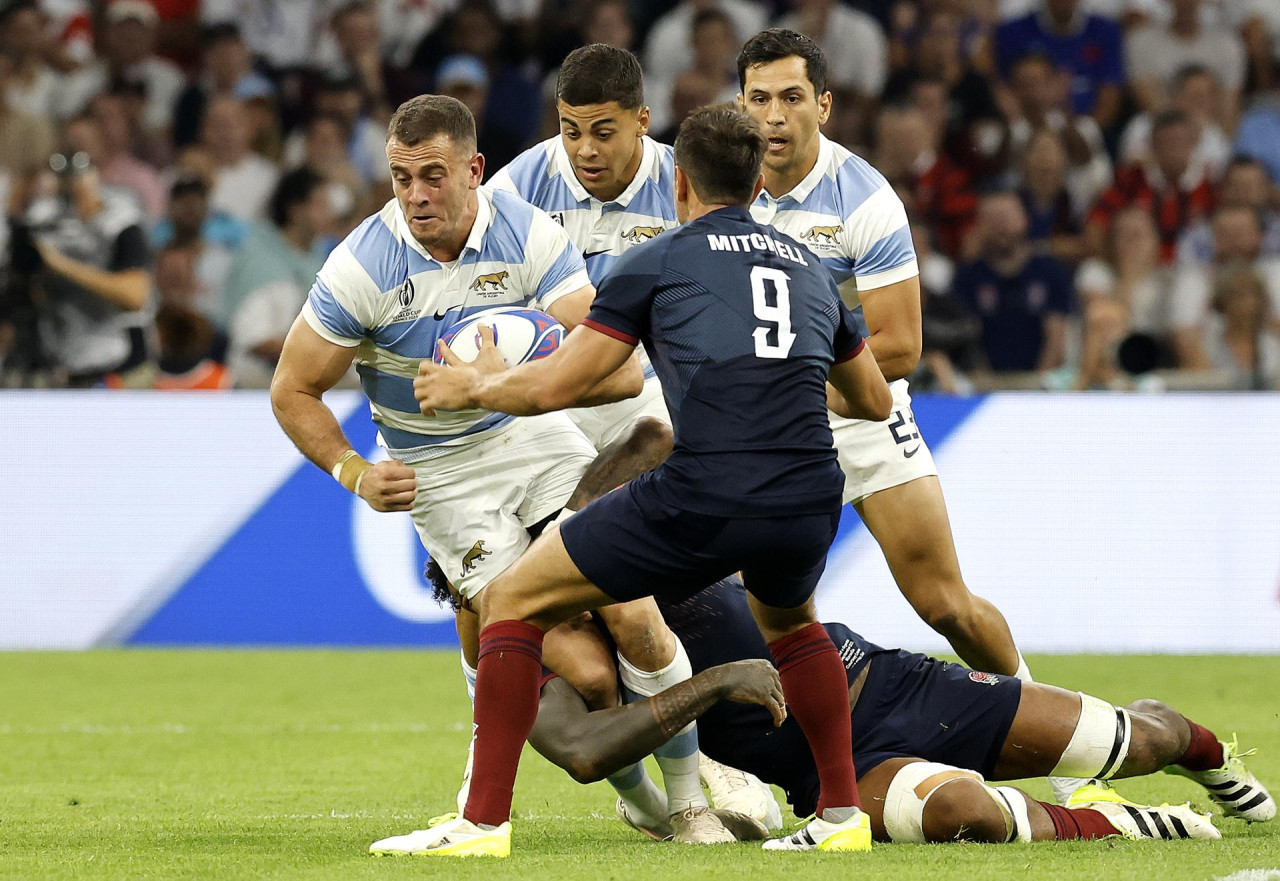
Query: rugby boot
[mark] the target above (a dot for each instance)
(854, 834)
(699, 826)
(1135, 821)
(740, 792)
(448, 835)
(1233, 787)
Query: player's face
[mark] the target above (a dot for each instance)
(603, 142)
(433, 183)
(780, 96)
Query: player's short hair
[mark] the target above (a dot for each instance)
(598, 74)
(776, 44)
(720, 149)
(294, 189)
(428, 116)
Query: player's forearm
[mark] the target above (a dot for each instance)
(536, 387)
(596, 744)
(310, 424)
(625, 382)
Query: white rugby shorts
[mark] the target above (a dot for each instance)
(475, 504)
(604, 424)
(875, 456)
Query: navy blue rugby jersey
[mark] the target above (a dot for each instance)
(742, 325)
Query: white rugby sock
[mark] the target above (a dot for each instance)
(1023, 673)
(678, 757)
(648, 803)
(469, 673)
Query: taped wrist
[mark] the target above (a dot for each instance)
(349, 470)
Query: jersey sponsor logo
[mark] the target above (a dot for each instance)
(474, 557)
(640, 234)
(984, 678)
(822, 235)
(491, 282)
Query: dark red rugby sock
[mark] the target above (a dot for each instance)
(1204, 753)
(505, 708)
(1072, 824)
(817, 694)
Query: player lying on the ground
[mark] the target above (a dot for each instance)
(926, 735)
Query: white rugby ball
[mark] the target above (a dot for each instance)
(520, 334)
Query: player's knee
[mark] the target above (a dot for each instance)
(963, 811)
(651, 438)
(1159, 734)
(952, 613)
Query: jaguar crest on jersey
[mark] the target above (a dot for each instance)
(638, 234)
(822, 235)
(474, 557)
(491, 282)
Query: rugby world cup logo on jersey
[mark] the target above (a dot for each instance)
(822, 235)
(638, 234)
(404, 297)
(492, 282)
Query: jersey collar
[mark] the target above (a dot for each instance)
(809, 182)
(647, 169)
(475, 238)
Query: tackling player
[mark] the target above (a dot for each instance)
(848, 214)
(745, 329)
(476, 483)
(925, 735)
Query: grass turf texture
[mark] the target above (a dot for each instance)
(151, 764)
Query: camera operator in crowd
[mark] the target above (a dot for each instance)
(80, 264)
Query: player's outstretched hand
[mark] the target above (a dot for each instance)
(445, 388)
(389, 486)
(755, 682)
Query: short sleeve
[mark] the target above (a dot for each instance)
(131, 251)
(553, 261)
(340, 305)
(849, 342)
(624, 299)
(877, 238)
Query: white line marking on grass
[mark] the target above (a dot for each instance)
(1251, 875)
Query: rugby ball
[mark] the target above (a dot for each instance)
(520, 334)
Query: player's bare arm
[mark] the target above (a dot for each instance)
(893, 326)
(573, 307)
(570, 377)
(309, 366)
(591, 745)
(857, 389)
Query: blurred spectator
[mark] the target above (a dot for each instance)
(1022, 299)
(1123, 291)
(853, 42)
(94, 274)
(951, 336)
(1237, 241)
(1053, 221)
(1197, 95)
(191, 350)
(104, 133)
(608, 22)
(384, 86)
(365, 139)
(933, 187)
(712, 74)
(667, 47)
(70, 25)
(1174, 189)
(970, 103)
(1245, 184)
(1258, 134)
(273, 274)
(465, 78)
(1088, 47)
(282, 34)
(242, 180)
(1039, 96)
(128, 56)
(226, 68)
(33, 83)
(210, 238)
(1156, 53)
(325, 153)
(26, 140)
(1242, 336)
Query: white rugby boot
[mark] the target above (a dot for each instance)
(854, 834)
(657, 829)
(1136, 821)
(740, 792)
(448, 835)
(699, 825)
(1233, 787)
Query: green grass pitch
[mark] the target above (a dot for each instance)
(203, 764)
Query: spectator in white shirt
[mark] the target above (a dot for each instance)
(24, 40)
(243, 180)
(1155, 53)
(853, 42)
(1197, 93)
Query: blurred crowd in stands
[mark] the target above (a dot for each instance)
(1092, 183)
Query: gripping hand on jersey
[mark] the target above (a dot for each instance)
(453, 386)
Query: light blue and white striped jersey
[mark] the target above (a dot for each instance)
(543, 175)
(847, 214)
(381, 291)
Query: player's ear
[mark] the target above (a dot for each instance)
(642, 121)
(476, 170)
(824, 107)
